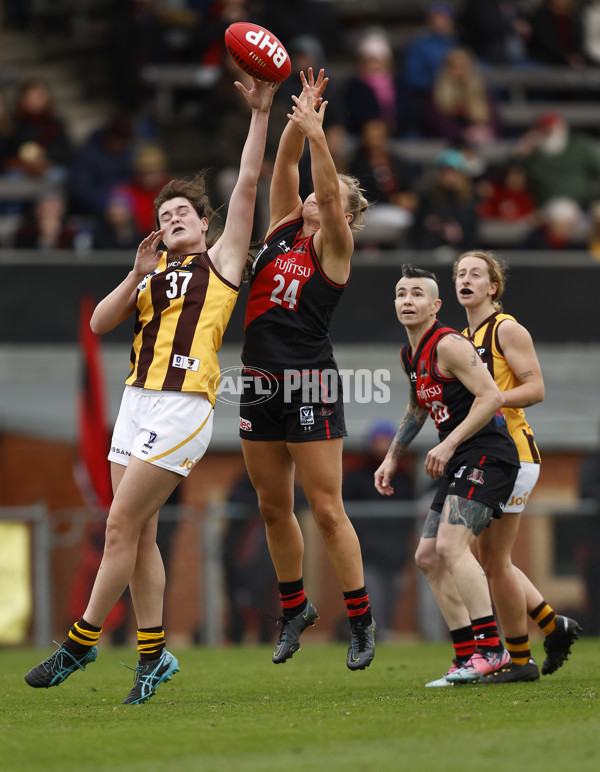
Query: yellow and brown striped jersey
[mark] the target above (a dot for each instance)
(485, 338)
(182, 311)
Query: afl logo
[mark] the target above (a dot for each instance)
(228, 385)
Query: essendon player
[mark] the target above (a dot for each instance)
(297, 279)
(475, 461)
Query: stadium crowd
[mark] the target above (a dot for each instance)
(429, 85)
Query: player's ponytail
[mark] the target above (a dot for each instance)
(357, 203)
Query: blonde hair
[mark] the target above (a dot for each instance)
(470, 95)
(497, 271)
(357, 203)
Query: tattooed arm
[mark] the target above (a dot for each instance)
(413, 419)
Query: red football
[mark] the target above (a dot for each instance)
(257, 51)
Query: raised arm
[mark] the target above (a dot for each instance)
(285, 201)
(457, 357)
(229, 253)
(519, 352)
(333, 241)
(120, 303)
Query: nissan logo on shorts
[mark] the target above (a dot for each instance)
(231, 382)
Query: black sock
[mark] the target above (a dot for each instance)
(293, 598)
(358, 606)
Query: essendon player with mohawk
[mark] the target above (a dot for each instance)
(476, 463)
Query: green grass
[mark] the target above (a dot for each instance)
(232, 710)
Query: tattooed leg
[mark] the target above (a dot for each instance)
(431, 525)
(461, 521)
(439, 577)
(474, 515)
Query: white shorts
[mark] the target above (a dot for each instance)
(170, 429)
(526, 480)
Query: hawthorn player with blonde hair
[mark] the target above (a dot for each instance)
(507, 350)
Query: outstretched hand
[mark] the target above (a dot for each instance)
(260, 96)
(146, 258)
(313, 89)
(305, 116)
(308, 111)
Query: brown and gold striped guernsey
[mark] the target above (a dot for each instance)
(182, 311)
(486, 342)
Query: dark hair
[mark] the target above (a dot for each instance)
(410, 271)
(194, 191)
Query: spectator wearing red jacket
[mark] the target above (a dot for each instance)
(149, 177)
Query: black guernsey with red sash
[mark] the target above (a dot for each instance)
(448, 401)
(290, 305)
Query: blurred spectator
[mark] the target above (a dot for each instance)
(426, 54)
(287, 20)
(562, 225)
(558, 161)
(377, 90)
(17, 14)
(387, 184)
(133, 38)
(507, 210)
(103, 162)
(6, 130)
(38, 146)
(305, 51)
(217, 16)
(227, 140)
(117, 229)
(460, 106)
(497, 31)
(588, 551)
(150, 174)
(447, 213)
(385, 542)
(590, 22)
(508, 197)
(594, 234)
(557, 34)
(144, 32)
(250, 580)
(46, 227)
(341, 147)
(476, 163)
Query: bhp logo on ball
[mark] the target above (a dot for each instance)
(262, 39)
(259, 385)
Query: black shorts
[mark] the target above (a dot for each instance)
(479, 478)
(303, 410)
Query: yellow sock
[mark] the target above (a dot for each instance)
(84, 634)
(545, 618)
(519, 649)
(150, 642)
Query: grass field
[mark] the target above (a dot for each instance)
(231, 710)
